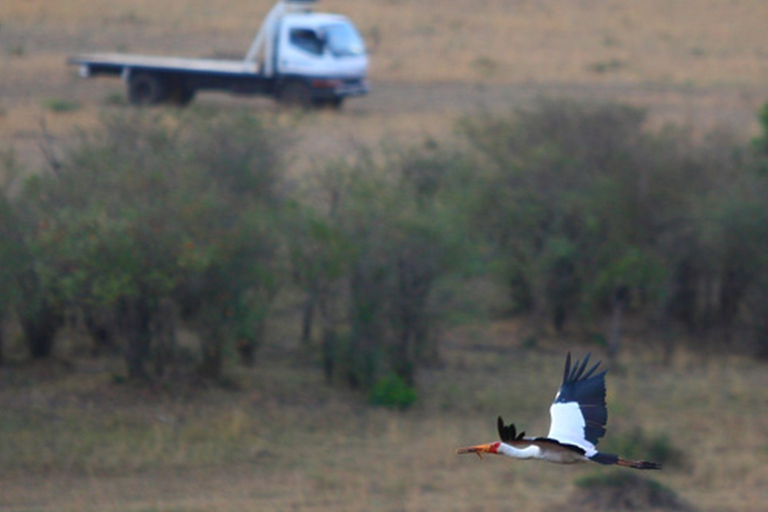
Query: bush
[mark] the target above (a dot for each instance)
(623, 492)
(392, 392)
(581, 205)
(370, 254)
(558, 201)
(157, 209)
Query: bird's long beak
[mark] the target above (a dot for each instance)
(478, 450)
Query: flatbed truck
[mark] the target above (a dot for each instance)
(298, 57)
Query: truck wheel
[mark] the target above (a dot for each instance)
(295, 94)
(146, 89)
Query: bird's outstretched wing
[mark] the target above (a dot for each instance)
(579, 413)
(508, 433)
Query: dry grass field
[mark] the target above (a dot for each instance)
(71, 441)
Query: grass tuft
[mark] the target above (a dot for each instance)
(606, 66)
(61, 106)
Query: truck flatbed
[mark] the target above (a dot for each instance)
(115, 63)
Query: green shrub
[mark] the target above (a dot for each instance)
(61, 106)
(392, 392)
(761, 142)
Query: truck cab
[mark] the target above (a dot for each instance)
(319, 58)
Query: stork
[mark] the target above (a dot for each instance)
(578, 418)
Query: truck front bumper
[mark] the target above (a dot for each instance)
(330, 88)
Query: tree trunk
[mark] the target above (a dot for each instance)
(248, 346)
(367, 332)
(164, 336)
(664, 322)
(100, 322)
(138, 335)
(212, 365)
(40, 327)
(2, 336)
(684, 295)
(415, 283)
(329, 353)
(307, 318)
(213, 361)
(734, 285)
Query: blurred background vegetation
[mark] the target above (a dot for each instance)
(576, 213)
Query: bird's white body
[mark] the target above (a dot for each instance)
(536, 452)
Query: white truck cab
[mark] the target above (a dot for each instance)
(322, 44)
(324, 52)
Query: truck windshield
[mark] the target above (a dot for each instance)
(343, 40)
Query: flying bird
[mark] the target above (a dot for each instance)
(579, 415)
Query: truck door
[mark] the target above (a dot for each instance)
(302, 50)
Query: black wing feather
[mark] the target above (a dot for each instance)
(588, 391)
(508, 433)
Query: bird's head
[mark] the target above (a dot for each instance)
(480, 449)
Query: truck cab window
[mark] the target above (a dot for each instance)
(307, 40)
(343, 40)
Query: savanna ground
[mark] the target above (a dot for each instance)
(284, 440)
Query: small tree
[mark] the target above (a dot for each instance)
(241, 272)
(388, 237)
(9, 263)
(9, 260)
(757, 298)
(102, 230)
(39, 314)
(557, 188)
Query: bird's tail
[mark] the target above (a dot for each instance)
(608, 458)
(638, 464)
